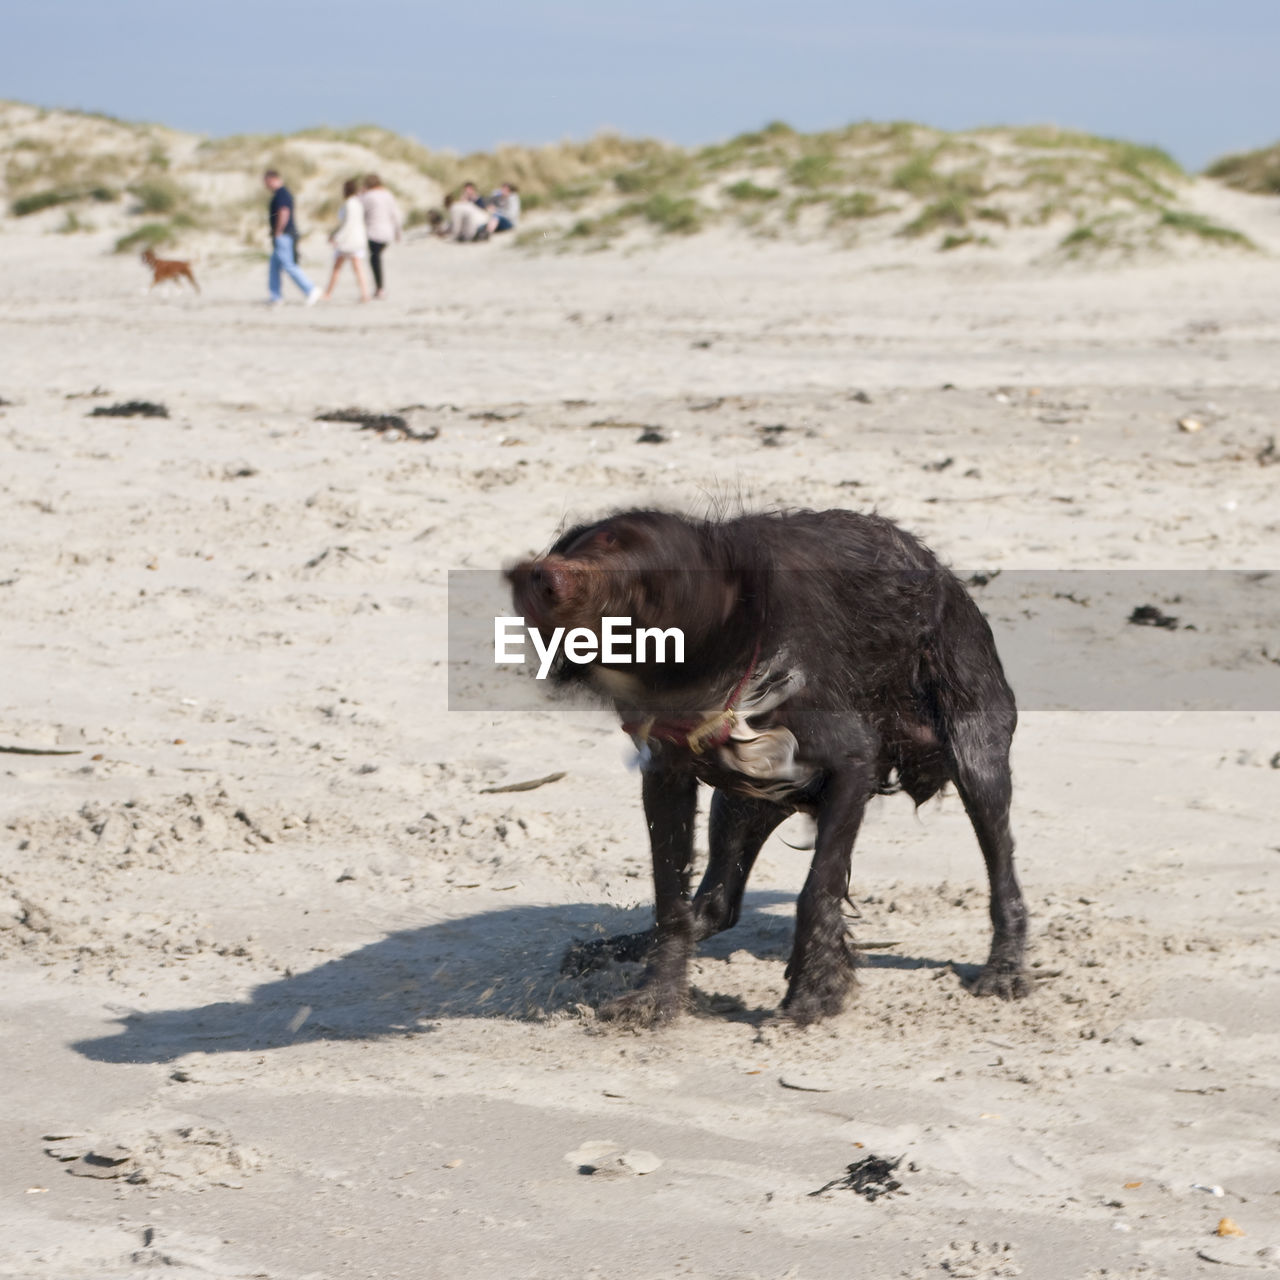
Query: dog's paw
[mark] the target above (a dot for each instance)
(1002, 982)
(810, 999)
(647, 1007)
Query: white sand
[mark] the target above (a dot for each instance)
(266, 946)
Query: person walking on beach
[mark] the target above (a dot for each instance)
(381, 223)
(284, 238)
(350, 241)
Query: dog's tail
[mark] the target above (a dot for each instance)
(966, 674)
(192, 278)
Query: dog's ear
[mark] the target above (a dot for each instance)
(730, 597)
(745, 595)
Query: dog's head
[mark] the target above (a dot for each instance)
(659, 570)
(149, 257)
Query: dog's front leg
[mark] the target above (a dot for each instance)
(670, 807)
(821, 967)
(738, 828)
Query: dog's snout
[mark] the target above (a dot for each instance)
(547, 581)
(540, 587)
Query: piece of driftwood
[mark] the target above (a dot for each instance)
(530, 785)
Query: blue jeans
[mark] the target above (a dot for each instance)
(282, 260)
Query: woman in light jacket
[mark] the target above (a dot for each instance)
(349, 240)
(382, 225)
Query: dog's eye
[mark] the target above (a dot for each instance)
(605, 538)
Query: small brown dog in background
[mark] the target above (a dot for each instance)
(163, 269)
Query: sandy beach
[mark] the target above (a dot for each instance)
(281, 993)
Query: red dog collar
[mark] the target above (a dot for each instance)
(695, 732)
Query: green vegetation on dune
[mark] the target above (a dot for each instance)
(858, 204)
(151, 235)
(1132, 157)
(666, 171)
(1066, 194)
(670, 213)
(1108, 234)
(41, 200)
(748, 190)
(159, 195)
(950, 211)
(1257, 172)
(254, 154)
(815, 169)
(1196, 224)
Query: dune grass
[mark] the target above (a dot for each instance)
(24, 206)
(748, 190)
(254, 154)
(954, 241)
(71, 224)
(566, 172)
(815, 169)
(950, 211)
(1085, 235)
(887, 180)
(670, 213)
(158, 194)
(26, 173)
(858, 204)
(151, 235)
(38, 201)
(1195, 224)
(1257, 172)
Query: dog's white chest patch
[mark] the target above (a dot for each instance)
(768, 758)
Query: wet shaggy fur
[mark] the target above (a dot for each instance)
(839, 650)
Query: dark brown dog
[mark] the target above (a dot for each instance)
(828, 657)
(163, 269)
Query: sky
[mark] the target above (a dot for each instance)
(1197, 79)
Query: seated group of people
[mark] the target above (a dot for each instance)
(470, 216)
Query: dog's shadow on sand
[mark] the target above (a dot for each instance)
(495, 964)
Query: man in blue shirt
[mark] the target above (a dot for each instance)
(284, 235)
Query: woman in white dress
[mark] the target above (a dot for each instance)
(350, 241)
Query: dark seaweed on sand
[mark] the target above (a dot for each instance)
(871, 1178)
(1147, 615)
(365, 420)
(368, 421)
(130, 409)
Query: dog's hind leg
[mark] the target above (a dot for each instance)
(980, 754)
(192, 278)
(739, 827)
